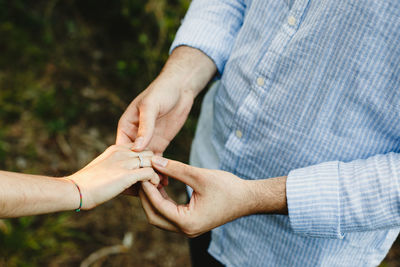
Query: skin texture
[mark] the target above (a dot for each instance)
(153, 119)
(219, 197)
(155, 116)
(102, 179)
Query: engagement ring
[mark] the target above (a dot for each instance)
(141, 162)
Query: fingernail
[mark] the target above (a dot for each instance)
(160, 161)
(138, 143)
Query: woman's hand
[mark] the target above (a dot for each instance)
(111, 173)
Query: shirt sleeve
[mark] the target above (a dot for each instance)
(329, 199)
(211, 26)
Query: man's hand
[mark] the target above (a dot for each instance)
(219, 197)
(154, 117)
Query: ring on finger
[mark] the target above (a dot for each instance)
(141, 161)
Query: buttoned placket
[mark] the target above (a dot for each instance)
(263, 75)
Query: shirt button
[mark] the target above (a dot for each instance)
(291, 20)
(260, 81)
(239, 134)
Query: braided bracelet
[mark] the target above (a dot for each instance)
(80, 194)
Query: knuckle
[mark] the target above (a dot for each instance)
(117, 153)
(114, 148)
(190, 171)
(147, 163)
(146, 172)
(190, 229)
(186, 169)
(111, 148)
(147, 153)
(189, 232)
(155, 178)
(186, 230)
(145, 103)
(193, 235)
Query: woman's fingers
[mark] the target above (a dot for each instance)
(143, 174)
(133, 190)
(155, 179)
(135, 163)
(146, 153)
(119, 152)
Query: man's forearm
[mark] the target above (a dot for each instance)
(267, 196)
(24, 194)
(188, 68)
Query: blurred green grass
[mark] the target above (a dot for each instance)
(68, 69)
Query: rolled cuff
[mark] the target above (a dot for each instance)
(212, 40)
(313, 199)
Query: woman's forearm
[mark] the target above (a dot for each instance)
(114, 171)
(24, 194)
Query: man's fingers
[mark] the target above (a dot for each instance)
(127, 125)
(147, 120)
(146, 153)
(127, 145)
(122, 138)
(153, 216)
(133, 154)
(165, 195)
(165, 207)
(182, 172)
(126, 132)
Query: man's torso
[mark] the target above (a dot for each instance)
(306, 82)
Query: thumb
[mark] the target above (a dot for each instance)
(192, 176)
(122, 138)
(147, 120)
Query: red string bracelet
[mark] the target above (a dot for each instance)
(80, 194)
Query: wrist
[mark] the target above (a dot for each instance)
(267, 196)
(75, 196)
(79, 191)
(175, 83)
(188, 69)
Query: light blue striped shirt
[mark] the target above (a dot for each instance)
(308, 89)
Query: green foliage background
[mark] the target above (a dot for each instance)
(68, 69)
